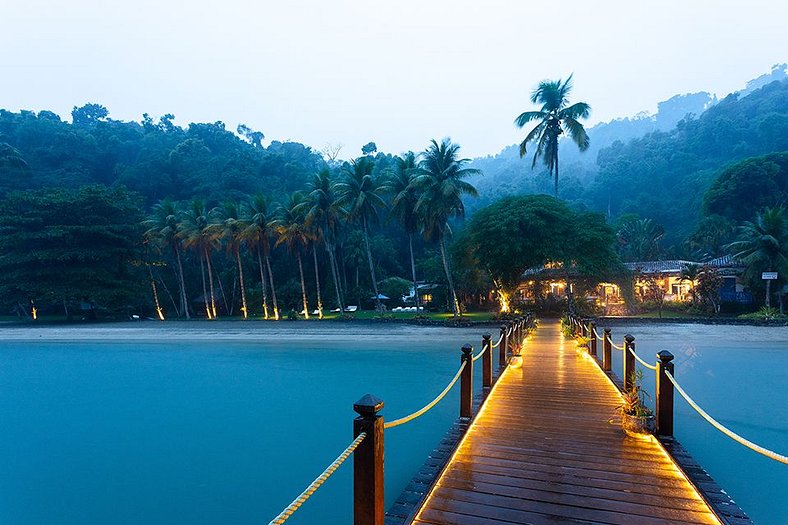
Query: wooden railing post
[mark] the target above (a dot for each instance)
(368, 500)
(466, 383)
(607, 350)
(629, 362)
(592, 335)
(503, 347)
(487, 360)
(664, 391)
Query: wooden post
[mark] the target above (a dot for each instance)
(664, 391)
(629, 362)
(592, 335)
(368, 501)
(487, 361)
(466, 383)
(502, 348)
(607, 350)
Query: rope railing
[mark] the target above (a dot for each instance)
(304, 496)
(480, 354)
(641, 361)
(499, 342)
(600, 337)
(614, 345)
(725, 430)
(428, 406)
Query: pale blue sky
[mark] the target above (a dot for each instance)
(398, 73)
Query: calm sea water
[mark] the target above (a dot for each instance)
(152, 426)
(165, 424)
(739, 375)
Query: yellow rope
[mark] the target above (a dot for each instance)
(411, 417)
(614, 345)
(641, 361)
(480, 354)
(499, 342)
(301, 499)
(597, 335)
(730, 433)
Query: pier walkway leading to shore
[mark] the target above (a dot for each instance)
(543, 449)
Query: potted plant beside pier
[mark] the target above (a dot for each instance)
(637, 419)
(582, 342)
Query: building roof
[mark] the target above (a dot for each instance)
(671, 266)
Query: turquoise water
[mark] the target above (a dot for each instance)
(165, 430)
(182, 424)
(739, 375)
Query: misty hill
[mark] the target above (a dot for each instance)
(156, 159)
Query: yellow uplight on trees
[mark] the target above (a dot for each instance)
(160, 313)
(34, 312)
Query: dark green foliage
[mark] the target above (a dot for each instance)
(71, 245)
(743, 189)
(518, 233)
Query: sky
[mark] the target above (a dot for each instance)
(398, 73)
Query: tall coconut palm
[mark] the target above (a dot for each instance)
(359, 192)
(257, 235)
(555, 117)
(323, 216)
(293, 233)
(400, 184)
(162, 228)
(639, 239)
(762, 245)
(196, 235)
(228, 225)
(439, 177)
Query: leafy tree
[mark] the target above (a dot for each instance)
(14, 169)
(762, 245)
(401, 185)
(163, 227)
(711, 236)
(228, 225)
(60, 245)
(359, 192)
(555, 117)
(294, 234)
(708, 287)
(743, 189)
(88, 114)
(440, 180)
(369, 148)
(690, 272)
(255, 138)
(515, 234)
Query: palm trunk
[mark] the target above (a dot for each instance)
(159, 311)
(184, 301)
(452, 294)
(317, 283)
(224, 296)
(556, 172)
(210, 281)
(262, 282)
(378, 305)
(273, 288)
(334, 275)
(413, 271)
(204, 289)
(303, 286)
(244, 310)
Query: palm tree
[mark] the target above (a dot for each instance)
(294, 234)
(323, 216)
(763, 245)
(359, 192)
(400, 184)
(162, 227)
(195, 233)
(228, 225)
(257, 235)
(690, 272)
(439, 177)
(555, 117)
(640, 239)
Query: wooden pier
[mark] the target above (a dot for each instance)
(543, 449)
